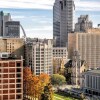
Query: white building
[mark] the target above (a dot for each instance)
(39, 56)
(91, 82)
(59, 54)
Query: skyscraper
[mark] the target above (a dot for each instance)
(12, 29)
(62, 21)
(4, 17)
(83, 24)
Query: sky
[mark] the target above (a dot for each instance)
(36, 16)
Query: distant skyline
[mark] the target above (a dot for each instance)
(36, 16)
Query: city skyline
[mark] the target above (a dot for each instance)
(36, 17)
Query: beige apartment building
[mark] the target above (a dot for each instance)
(11, 79)
(88, 45)
(13, 46)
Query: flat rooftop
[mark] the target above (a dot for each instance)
(96, 71)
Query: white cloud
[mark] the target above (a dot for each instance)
(38, 4)
(40, 32)
(17, 17)
(48, 4)
(87, 5)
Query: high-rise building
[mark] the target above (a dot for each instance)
(63, 11)
(13, 46)
(38, 55)
(11, 79)
(83, 24)
(4, 17)
(12, 29)
(88, 45)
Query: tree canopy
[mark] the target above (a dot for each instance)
(57, 79)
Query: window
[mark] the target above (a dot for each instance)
(18, 90)
(18, 64)
(18, 75)
(18, 97)
(18, 80)
(18, 70)
(18, 85)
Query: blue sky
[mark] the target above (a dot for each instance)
(36, 15)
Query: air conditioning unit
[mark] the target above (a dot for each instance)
(4, 55)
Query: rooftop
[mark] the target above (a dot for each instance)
(96, 71)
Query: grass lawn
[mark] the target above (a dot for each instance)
(60, 97)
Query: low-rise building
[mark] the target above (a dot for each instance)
(13, 46)
(60, 55)
(91, 82)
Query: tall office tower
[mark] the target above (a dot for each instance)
(88, 45)
(83, 24)
(38, 55)
(4, 17)
(63, 11)
(13, 46)
(11, 79)
(12, 29)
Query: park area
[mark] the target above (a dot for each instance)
(62, 97)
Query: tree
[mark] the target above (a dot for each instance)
(48, 93)
(34, 85)
(27, 77)
(44, 78)
(57, 79)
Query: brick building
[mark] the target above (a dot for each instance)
(11, 79)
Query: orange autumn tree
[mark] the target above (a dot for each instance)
(34, 85)
(27, 77)
(44, 78)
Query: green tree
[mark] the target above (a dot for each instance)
(57, 79)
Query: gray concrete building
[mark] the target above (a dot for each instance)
(12, 29)
(63, 12)
(83, 24)
(39, 56)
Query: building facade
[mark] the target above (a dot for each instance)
(59, 54)
(63, 12)
(13, 46)
(78, 67)
(91, 82)
(11, 79)
(83, 24)
(39, 56)
(88, 45)
(12, 29)
(4, 17)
